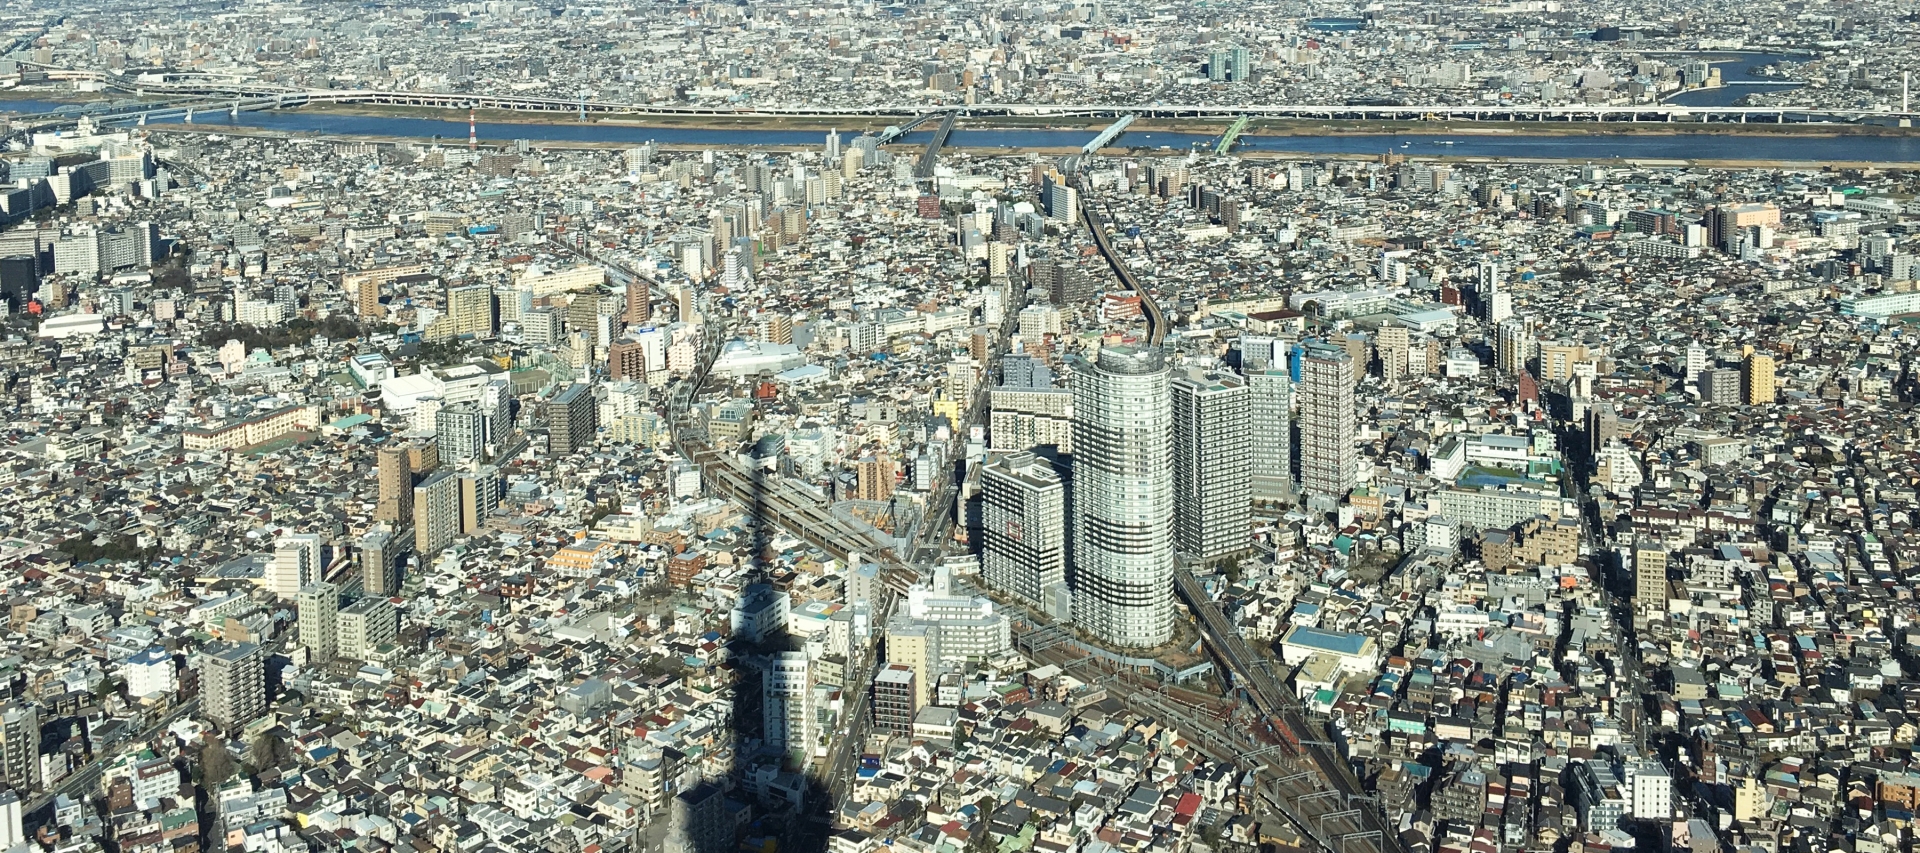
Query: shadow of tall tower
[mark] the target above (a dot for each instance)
(770, 788)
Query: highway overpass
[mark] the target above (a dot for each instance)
(1103, 241)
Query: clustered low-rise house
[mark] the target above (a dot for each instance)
(386, 495)
(1011, 54)
(494, 606)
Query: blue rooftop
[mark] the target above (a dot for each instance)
(1338, 642)
(802, 373)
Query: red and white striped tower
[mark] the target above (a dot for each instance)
(473, 134)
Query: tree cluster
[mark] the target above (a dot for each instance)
(85, 550)
(295, 332)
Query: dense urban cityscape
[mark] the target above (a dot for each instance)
(942, 427)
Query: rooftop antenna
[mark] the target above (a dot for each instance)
(473, 133)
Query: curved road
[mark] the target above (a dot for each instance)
(1156, 317)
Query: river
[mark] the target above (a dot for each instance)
(31, 106)
(1518, 143)
(1737, 71)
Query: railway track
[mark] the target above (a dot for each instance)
(1286, 780)
(1278, 705)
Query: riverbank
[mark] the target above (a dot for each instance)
(1255, 128)
(52, 96)
(1277, 127)
(1253, 134)
(1261, 154)
(850, 123)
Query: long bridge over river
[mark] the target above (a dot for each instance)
(204, 94)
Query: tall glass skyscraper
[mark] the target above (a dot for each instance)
(1122, 497)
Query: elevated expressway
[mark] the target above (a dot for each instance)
(215, 92)
(1103, 241)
